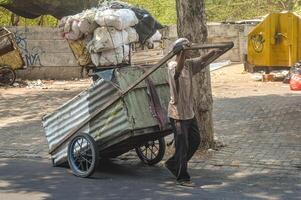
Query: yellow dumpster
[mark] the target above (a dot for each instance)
(276, 41)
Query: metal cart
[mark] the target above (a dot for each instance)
(113, 116)
(10, 57)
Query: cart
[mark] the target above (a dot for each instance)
(10, 57)
(113, 116)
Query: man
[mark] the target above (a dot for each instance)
(181, 112)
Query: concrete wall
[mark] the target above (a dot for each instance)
(222, 33)
(48, 55)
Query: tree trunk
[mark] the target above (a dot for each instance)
(191, 24)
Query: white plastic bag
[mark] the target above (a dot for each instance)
(95, 58)
(86, 24)
(107, 38)
(111, 57)
(156, 37)
(119, 18)
(132, 35)
(115, 56)
(74, 33)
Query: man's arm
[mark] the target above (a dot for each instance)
(180, 65)
(172, 83)
(199, 63)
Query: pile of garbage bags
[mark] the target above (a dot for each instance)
(294, 77)
(109, 29)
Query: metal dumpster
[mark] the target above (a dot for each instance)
(275, 42)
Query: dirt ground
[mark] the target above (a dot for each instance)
(233, 82)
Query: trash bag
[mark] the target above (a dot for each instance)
(150, 42)
(156, 37)
(117, 18)
(87, 27)
(107, 38)
(296, 69)
(114, 57)
(147, 25)
(132, 35)
(69, 28)
(86, 24)
(111, 57)
(74, 33)
(295, 82)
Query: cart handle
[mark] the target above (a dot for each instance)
(223, 46)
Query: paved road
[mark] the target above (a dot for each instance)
(35, 179)
(259, 123)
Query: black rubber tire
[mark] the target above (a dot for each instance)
(7, 71)
(158, 154)
(82, 156)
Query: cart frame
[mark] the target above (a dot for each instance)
(11, 60)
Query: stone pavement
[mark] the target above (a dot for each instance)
(259, 123)
(21, 111)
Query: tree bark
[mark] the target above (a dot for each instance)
(191, 24)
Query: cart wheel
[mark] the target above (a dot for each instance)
(7, 75)
(152, 152)
(83, 156)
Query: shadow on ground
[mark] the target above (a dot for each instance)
(38, 180)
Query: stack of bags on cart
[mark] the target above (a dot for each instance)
(109, 29)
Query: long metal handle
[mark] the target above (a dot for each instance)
(224, 45)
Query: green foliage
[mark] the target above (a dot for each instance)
(226, 10)
(5, 19)
(3, 2)
(163, 10)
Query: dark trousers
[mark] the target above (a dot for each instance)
(187, 141)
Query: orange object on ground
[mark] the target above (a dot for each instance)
(295, 82)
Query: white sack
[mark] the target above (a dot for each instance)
(132, 35)
(119, 18)
(95, 58)
(74, 33)
(106, 38)
(86, 24)
(111, 57)
(156, 37)
(114, 57)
